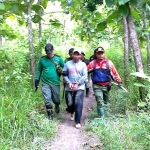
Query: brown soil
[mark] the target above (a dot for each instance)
(70, 138)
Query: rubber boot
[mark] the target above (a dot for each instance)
(87, 92)
(100, 112)
(50, 114)
(57, 109)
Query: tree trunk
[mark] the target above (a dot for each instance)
(40, 28)
(126, 52)
(136, 51)
(32, 61)
(148, 45)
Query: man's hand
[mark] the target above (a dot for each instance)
(36, 84)
(74, 86)
(120, 84)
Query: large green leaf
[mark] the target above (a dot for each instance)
(36, 19)
(2, 6)
(44, 3)
(114, 15)
(122, 2)
(110, 3)
(36, 8)
(101, 26)
(140, 74)
(14, 8)
(134, 3)
(123, 10)
(135, 14)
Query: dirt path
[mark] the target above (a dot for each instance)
(70, 138)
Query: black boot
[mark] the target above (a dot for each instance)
(87, 92)
(57, 110)
(50, 114)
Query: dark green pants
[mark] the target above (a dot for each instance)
(102, 97)
(51, 93)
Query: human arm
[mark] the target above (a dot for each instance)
(38, 74)
(114, 73)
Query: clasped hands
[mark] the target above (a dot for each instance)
(73, 86)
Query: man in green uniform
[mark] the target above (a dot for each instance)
(46, 71)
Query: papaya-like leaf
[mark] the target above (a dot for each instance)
(14, 7)
(140, 74)
(36, 8)
(114, 15)
(2, 6)
(135, 14)
(101, 26)
(122, 2)
(123, 10)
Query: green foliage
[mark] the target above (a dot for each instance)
(2, 6)
(20, 106)
(135, 14)
(91, 4)
(110, 3)
(125, 132)
(123, 10)
(122, 2)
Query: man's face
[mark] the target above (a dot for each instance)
(100, 55)
(76, 56)
(51, 54)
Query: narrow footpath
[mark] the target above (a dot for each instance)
(70, 138)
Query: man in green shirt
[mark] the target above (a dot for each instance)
(46, 71)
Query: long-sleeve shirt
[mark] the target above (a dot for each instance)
(46, 70)
(76, 72)
(103, 65)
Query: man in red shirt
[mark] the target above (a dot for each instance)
(103, 70)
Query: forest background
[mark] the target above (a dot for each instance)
(120, 26)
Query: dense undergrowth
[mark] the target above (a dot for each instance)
(122, 128)
(24, 124)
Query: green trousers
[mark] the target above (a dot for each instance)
(102, 98)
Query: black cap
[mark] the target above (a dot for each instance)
(99, 49)
(83, 53)
(49, 48)
(71, 50)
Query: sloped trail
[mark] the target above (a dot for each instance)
(70, 138)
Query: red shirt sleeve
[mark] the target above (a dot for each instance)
(114, 72)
